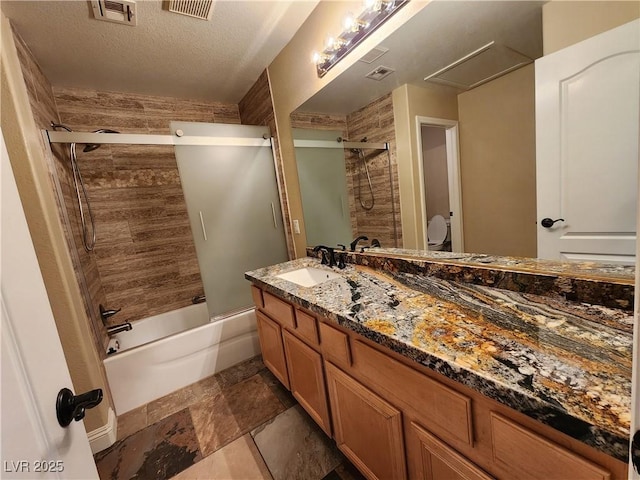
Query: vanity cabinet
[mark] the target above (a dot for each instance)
(368, 429)
(439, 461)
(395, 419)
(272, 346)
(306, 379)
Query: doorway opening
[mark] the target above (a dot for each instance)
(439, 179)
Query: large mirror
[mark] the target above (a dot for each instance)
(460, 173)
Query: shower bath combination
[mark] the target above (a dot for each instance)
(88, 241)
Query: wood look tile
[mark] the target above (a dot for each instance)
(239, 460)
(233, 412)
(293, 446)
(159, 451)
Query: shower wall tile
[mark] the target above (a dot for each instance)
(144, 253)
(256, 108)
(374, 121)
(319, 121)
(44, 109)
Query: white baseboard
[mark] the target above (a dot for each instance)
(105, 436)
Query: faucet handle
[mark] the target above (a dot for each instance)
(105, 314)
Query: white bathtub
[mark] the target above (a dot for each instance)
(140, 374)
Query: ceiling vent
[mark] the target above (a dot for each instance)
(480, 66)
(201, 9)
(118, 11)
(374, 54)
(380, 73)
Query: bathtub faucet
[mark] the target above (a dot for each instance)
(123, 327)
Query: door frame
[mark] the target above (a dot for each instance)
(453, 176)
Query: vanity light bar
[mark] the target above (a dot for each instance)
(356, 29)
(144, 139)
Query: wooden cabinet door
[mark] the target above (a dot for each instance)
(438, 461)
(270, 335)
(367, 429)
(306, 379)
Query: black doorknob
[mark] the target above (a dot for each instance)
(635, 451)
(72, 407)
(548, 223)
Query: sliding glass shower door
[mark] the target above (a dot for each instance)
(234, 209)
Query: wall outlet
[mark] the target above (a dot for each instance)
(296, 227)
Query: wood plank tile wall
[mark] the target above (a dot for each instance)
(374, 121)
(44, 111)
(144, 251)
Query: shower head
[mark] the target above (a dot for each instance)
(90, 147)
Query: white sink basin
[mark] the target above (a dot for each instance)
(308, 276)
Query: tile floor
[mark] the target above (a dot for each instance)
(238, 424)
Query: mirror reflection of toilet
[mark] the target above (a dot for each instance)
(437, 232)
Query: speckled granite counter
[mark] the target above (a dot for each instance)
(566, 364)
(608, 285)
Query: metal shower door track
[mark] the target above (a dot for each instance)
(341, 145)
(146, 139)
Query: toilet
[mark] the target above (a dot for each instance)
(437, 232)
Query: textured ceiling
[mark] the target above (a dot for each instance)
(165, 54)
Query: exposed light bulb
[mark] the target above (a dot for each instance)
(315, 57)
(349, 22)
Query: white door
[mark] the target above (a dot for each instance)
(34, 445)
(587, 104)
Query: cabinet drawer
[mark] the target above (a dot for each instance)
(442, 410)
(307, 327)
(256, 293)
(280, 311)
(335, 344)
(525, 454)
(439, 461)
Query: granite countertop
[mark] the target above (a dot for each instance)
(566, 364)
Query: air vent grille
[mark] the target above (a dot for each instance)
(374, 54)
(117, 11)
(193, 8)
(379, 73)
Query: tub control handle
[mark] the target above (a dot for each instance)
(72, 407)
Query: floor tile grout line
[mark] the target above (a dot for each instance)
(260, 453)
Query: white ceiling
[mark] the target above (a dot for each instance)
(165, 54)
(441, 33)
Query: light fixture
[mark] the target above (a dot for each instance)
(355, 29)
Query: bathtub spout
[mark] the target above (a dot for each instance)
(123, 327)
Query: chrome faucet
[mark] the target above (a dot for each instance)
(123, 327)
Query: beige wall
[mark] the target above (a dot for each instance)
(26, 153)
(565, 23)
(497, 163)
(294, 80)
(410, 101)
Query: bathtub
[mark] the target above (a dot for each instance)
(147, 368)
